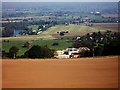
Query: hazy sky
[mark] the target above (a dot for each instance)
(60, 0)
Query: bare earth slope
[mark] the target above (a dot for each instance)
(99, 72)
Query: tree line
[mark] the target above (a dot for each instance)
(100, 43)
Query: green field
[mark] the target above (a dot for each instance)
(34, 27)
(62, 44)
(6, 46)
(48, 37)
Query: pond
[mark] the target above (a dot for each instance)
(17, 32)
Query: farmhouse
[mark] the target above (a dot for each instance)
(60, 54)
(71, 52)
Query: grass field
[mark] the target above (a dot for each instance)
(62, 44)
(6, 46)
(48, 36)
(34, 27)
(73, 29)
(100, 72)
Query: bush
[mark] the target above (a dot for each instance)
(26, 45)
(55, 44)
(4, 54)
(62, 34)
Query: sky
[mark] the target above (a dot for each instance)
(59, 0)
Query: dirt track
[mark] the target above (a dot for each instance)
(72, 73)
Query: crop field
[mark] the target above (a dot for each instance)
(110, 15)
(97, 72)
(108, 26)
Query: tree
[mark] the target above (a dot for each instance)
(26, 45)
(39, 52)
(5, 54)
(7, 32)
(112, 48)
(13, 52)
(55, 44)
(98, 50)
(62, 34)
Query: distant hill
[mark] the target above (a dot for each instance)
(81, 6)
(51, 8)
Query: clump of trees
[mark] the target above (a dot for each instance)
(39, 52)
(62, 33)
(11, 26)
(101, 44)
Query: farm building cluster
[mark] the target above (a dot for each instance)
(72, 52)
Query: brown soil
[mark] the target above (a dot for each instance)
(109, 26)
(101, 72)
